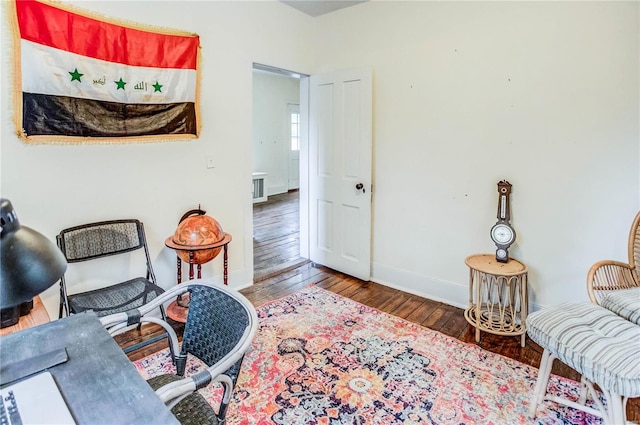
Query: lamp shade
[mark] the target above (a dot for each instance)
(29, 262)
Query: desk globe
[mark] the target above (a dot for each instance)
(194, 234)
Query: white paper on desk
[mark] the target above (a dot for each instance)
(38, 401)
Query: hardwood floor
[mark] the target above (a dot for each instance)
(281, 273)
(276, 235)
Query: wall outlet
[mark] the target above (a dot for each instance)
(210, 163)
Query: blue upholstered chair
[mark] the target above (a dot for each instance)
(597, 343)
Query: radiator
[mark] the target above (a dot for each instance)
(259, 187)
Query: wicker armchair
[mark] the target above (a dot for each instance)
(608, 275)
(220, 326)
(91, 241)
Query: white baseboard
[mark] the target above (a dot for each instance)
(452, 293)
(277, 189)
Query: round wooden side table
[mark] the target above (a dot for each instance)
(498, 296)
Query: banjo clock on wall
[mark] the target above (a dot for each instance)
(502, 233)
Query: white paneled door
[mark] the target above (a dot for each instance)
(340, 133)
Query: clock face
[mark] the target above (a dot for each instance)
(501, 253)
(502, 234)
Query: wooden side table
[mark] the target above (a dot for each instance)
(178, 312)
(498, 296)
(37, 316)
(224, 242)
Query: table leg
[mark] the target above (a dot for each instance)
(190, 265)
(524, 307)
(471, 287)
(179, 269)
(226, 261)
(478, 284)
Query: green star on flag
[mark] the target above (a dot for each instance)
(158, 87)
(75, 75)
(120, 84)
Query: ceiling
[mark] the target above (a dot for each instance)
(320, 7)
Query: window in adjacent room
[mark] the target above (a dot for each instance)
(294, 122)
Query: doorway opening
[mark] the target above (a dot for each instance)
(278, 137)
(276, 235)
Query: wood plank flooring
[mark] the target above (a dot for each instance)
(276, 235)
(276, 279)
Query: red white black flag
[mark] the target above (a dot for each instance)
(84, 78)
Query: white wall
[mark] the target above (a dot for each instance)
(56, 186)
(271, 144)
(543, 94)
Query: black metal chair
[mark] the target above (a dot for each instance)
(220, 327)
(102, 239)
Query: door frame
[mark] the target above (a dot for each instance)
(305, 88)
(303, 191)
(304, 158)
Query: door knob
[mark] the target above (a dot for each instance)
(360, 186)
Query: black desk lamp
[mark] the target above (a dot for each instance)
(29, 264)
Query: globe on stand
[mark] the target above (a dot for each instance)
(198, 239)
(193, 234)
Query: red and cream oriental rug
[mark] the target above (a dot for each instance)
(319, 358)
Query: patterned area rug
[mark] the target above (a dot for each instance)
(320, 358)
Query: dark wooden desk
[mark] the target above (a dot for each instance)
(98, 382)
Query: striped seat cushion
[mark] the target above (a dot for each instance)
(625, 303)
(597, 343)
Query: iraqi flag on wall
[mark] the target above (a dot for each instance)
(82, 77)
